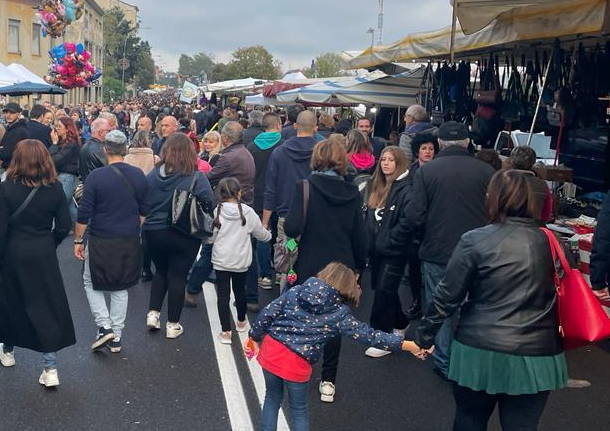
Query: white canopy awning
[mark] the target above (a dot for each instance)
(475, 15)
(538, 22)
(8, 77)
(25, 73)
(235, 85)
(376, 88)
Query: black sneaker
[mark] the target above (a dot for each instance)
(114, 345)
(103, 337)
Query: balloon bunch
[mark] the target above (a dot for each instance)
(70, 66)
(56, 15)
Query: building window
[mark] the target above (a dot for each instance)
(13, 36)
(36, 39)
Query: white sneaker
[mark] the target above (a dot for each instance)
(327, 392)
(173, 330)
(6, 359)
(225, 337)
(374, 352)
(265, 283)
(49, 378)
(152, 320)
(400, 332)
(241, 326)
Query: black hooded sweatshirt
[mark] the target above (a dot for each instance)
(333, 229)
(15, 133)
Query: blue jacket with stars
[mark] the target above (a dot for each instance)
(307, 316)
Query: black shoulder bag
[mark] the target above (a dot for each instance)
(188, 215)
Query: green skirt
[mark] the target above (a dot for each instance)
(502, 373)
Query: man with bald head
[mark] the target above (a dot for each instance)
(169, 126)
(92, 154)
(289, 163)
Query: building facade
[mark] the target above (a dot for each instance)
(22, 42)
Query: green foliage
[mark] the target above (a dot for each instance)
(112, 88)
(120, 38)
(327, 65)
(194, 66)
(254, 62)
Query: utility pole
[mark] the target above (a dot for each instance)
(371, 31)
(380, 24)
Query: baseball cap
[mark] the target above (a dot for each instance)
(115, 137)
(12, 107)
(453, 131)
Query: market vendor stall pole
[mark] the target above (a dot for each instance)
(546, 74)
(453, 30)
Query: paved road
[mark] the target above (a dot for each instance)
(159, 384)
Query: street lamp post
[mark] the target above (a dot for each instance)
(371, 31)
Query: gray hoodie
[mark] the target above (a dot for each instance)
(232, 249)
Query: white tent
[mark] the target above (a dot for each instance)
(260, 100)
(235, 85)
(376, 88)
(294, 76)
(8, 77)
(25, 73)
(541, 21)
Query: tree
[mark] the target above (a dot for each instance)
(194, 66)
(327, 65)
(219, 73)
(112, 88)
(121, 39)
(254, 62)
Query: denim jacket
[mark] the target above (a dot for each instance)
(307, 316)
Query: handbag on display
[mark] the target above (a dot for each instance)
(582, 318)
(188, 215)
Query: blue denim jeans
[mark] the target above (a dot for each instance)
(297, 402)
(432, 274)
(201, 270)
(263, 254)
(49, 360)
(68, 183)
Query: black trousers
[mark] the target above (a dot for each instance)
(224, 281)
(517, 412)
(330, 360)
(387, 314)
(173, 254)
(147, 259)
(415, 278)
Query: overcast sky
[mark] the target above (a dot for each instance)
(295, 32)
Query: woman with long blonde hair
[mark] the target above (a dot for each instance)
(388, 195)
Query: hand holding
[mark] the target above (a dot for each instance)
(418, 352)
(251, 348)
(79, 251)
(603, 296)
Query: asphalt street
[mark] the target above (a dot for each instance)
(193, 383)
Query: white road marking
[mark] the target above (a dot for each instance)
(239, 415)
(257, 373)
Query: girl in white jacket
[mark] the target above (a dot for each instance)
(234, 223)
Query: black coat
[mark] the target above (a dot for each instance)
(389, 238)
(34, 311)
(600, 254)
(40, 131)
(15, 132)
(65, 158)
(448, 200)
(261, 160)
(504, 272)
(91, 157)
(334, 228)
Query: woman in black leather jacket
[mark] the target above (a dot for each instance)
(507, 347)
(388, 195)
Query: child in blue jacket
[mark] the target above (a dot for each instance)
(293, 330)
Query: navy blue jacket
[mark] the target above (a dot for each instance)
(600, 254)
(305, 317)
(161, 189)
(288, 164)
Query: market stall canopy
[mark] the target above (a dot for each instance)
(475, 15)
(235, 85)
(546, 21)
(376, 88)
(25, 73)
(293, 76)
(26, 88)
(7, 76)
(261, 100)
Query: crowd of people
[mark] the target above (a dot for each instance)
(302, 201)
